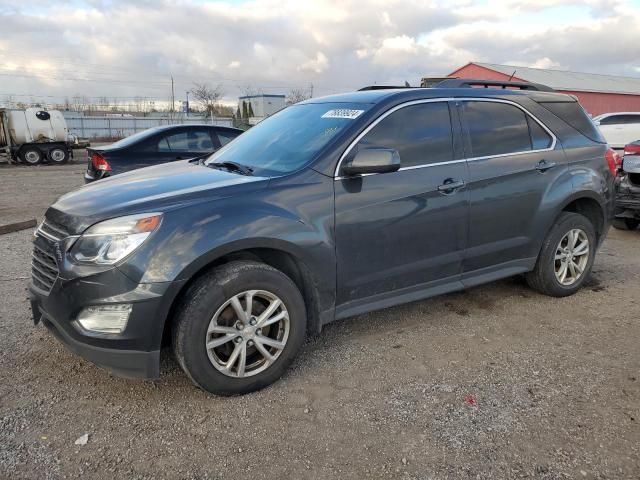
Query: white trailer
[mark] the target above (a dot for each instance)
(34, 135)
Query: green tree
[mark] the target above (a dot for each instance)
(245, 112)
(251, 110)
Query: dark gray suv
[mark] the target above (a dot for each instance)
(330, 208)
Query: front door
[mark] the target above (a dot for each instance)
(403, 232)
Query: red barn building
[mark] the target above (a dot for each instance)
(597, 93)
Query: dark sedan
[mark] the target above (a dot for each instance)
(156, 145)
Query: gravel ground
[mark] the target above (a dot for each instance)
(495, 382)
(26, 191)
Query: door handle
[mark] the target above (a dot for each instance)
(450, 186)
(543, 165)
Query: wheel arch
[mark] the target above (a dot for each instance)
(280, 258)
(590, 205)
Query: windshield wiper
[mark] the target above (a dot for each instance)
(233, 166)
(200, 159)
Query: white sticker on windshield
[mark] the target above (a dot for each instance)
(343, 113)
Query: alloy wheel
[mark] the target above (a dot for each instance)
(247, 333)
(572, 256)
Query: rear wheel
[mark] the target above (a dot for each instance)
(31, 155)
(566, 257)
(58, 155)
(625, 223)
(239, 327)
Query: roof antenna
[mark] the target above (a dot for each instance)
(511, 77)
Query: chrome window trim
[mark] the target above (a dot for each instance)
(554, 140)
(447, 99)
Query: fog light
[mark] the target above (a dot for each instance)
(105, 318)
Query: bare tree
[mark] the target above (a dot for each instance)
(207, 96)
(296, 95)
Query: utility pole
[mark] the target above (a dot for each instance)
(173, 97)
(187, 103)
(311, 89)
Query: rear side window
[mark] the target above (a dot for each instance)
(573, 114)
(225, 137)
(540, 139)
(190, 141)
(420, 133)
(620, 120)
(496, 128)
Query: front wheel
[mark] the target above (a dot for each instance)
(31, 155)
(566, 257)
(239, 327)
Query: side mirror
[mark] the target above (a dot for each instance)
(372, 160)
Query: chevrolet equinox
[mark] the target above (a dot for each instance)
(330, 208)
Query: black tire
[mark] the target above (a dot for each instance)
(58, 155)
(625, 223)
(543, 277)
(201, 302)
(31, 155)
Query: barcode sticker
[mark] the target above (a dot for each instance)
(343, 113)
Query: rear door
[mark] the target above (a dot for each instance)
(513, 160)
(401, 233)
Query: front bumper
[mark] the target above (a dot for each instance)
(124, 363)
(133, 353)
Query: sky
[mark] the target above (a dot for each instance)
(124, 49)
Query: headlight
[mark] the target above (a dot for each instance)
(110, 241)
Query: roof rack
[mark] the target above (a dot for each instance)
(470, 83)
(383, 87)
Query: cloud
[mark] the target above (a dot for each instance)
(317, 65)
(126, 49)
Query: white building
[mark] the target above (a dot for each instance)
(262, 105)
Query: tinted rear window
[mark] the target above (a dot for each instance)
(496, 128)
(573, 114)
(620, 120)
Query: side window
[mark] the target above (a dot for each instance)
(612, 120)
(190, 141)
(225, 137)
(630, 119)
(540, 139)
(163, 145)
(496, 128)
(421, 134)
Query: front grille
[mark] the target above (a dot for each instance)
(52, 230)
(44, 268)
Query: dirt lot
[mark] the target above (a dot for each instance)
(25, 191)
(496, 382)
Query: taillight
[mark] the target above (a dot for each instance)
(614, 161)
(99, 162)
(632, 149)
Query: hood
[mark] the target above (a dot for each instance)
(147, 189)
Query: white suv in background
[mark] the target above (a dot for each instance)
(620, 128)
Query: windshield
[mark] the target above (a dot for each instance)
(131, 139)
(289, 139)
